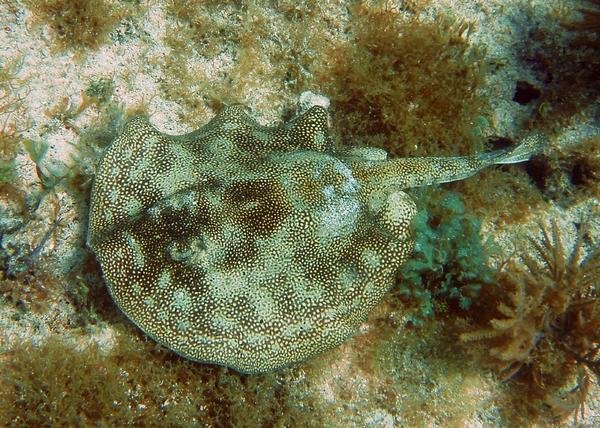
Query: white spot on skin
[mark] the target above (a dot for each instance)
(350, 185)
(180, 174)
(347, 279)
(306, 292)
(399, 210)
(164, 279)
(195, 254)
(138, 255)
(139, 169)
(127, 153)
(204, 340)
(263, 305)
(224, 323)
(221, 146)
(369, 153)
(108, 216)
(225, 286)
(150, 142)
(338, 218)
(319, 138)
(113, 196)
(371, 259)
(230, 126)
(190, 201)
(162, 315)
(132, 207)
(256, 339)
(261, 136)
(178, 251)
(183, 325)
(294, 330)
(181, 300)
(205, 252)
(328, 192)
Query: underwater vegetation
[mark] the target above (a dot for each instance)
(568, 73)
(502, 195)
(56, 384)
(570, 174)
(33, 213)
(405, 85)
(450, 262)
(275, 47)
(78, 25)
(544, 332)
(12, 93)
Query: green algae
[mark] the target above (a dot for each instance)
(450, 263)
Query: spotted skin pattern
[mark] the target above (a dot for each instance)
(255, 247)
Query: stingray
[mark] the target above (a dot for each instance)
(257, 247)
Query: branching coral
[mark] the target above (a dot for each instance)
(545, 333)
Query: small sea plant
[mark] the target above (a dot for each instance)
(544, 333)
(450, 262)
(12, 94)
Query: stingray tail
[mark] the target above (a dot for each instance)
(528, 146)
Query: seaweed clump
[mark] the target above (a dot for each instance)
(407, 86)
(541, 325)
(77, 24)
(12, 95)
(449, 266)
(503, 195)
(274, 47)
(136, 383)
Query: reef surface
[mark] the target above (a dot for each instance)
(409, 78)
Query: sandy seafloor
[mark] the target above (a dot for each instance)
(53, 77)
